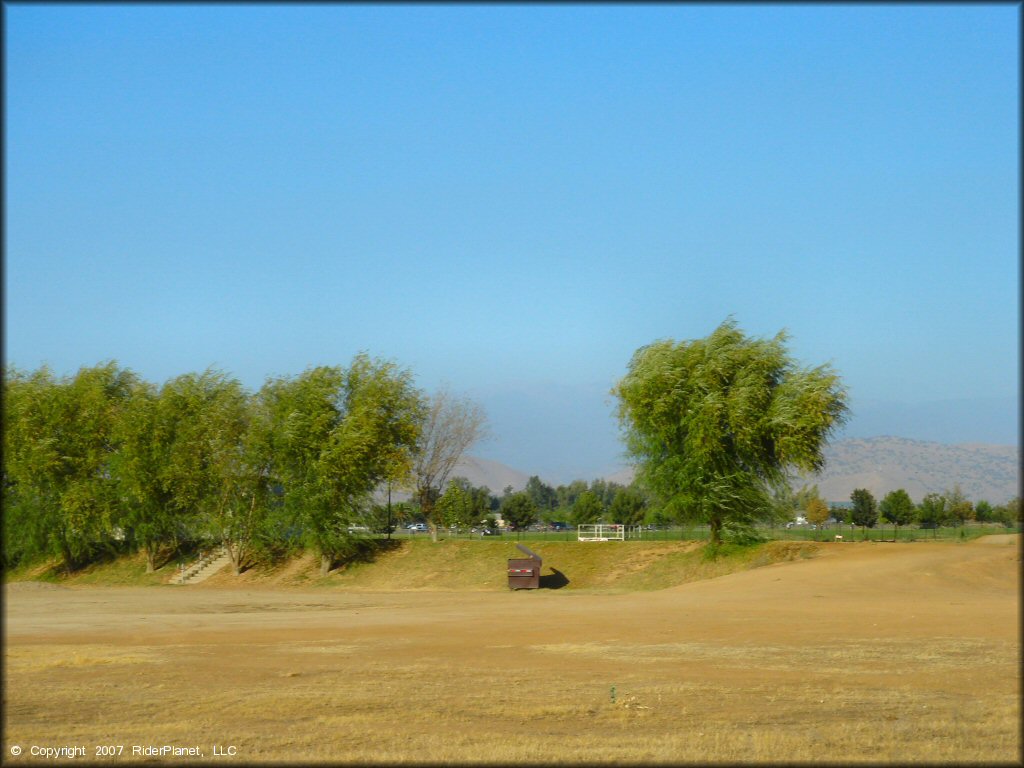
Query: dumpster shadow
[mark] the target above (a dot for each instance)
(554, 580)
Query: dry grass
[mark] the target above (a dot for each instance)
(343, 707)
(749, 668)
(45, 658)
(877, 656)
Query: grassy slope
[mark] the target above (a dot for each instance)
(470, 565)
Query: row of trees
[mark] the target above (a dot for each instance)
(463, 505)
(950, 508)
(934, 510)
(104, 460)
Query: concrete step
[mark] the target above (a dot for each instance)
(199, 571)
(211, 568)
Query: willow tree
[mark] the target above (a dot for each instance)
(715, 424)
(59, 445)
(340, 433)
(146, 499)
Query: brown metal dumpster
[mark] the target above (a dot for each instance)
(524, 572)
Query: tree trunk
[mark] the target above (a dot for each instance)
(150, 558)
(66, 554)
(325, 564)
(716, 530)
(235, 553)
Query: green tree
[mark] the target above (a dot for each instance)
(197, 425)
(897, 508)
(455, 508)
(841, 514)
(542, 495)
(30, 464)
(604, 490)
(983, 512)
(145, 438)
(1008, 514)
(567, 495)
(479, 500)
(240, 461)
(715, 423)
(518, 510)
(656, 516)
(60, 438)
(587, 509)
(931, 512)
(958, 509)
(628, 506)
(865, 509)
(338, 435)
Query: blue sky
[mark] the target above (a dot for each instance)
(513, 199)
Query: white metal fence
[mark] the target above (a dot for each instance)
(607, 532)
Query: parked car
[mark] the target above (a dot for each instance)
(489, 532)
(558, 526)
(417, 527)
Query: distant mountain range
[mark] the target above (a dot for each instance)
(883, 464)
(492, 474)
(481, 473)
(880, 464)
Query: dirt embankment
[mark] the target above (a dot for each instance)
(480, 566)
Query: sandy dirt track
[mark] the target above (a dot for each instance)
(868, 652)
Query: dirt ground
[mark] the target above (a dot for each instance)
(866, 653)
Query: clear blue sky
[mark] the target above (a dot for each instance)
(513, 199)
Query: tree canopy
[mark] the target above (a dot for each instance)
(341, 432)
(518, 510)
(931, 511)
(897, 508)
(103, 459)
(865, 508)
(60, 441)
(716, 423)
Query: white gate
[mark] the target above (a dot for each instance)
(608, 532)
(601, 532)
